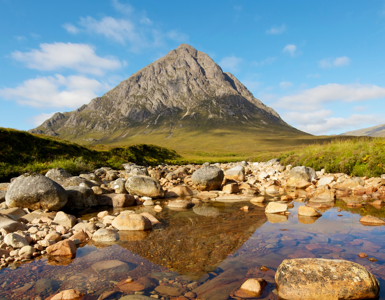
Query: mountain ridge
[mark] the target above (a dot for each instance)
(183, 91)
(374, 131)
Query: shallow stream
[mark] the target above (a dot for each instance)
(214, 244)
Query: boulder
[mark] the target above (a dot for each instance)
(152, 219)
(105, 236)
(127, 221)
(116, 200)
(275, 207)
(119, 186)
(325, 180)
(312, 278)
(80, 197)
(63, 248)
(308, 211)
(350, 183)
(237, 173)
(301, 176)
(80, 235)
(144, 186)
(46, 286)
(208, 178)
(65, 220)
(58, 175)
(35, 191)
(112, 175)
(15, 240)
(230, 188)
(371, 221)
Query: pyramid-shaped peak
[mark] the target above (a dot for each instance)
(187, 47)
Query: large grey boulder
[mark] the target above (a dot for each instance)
(35, 191)
(315, 278)
(144, 186)
(208, 178)
(80, 197)
(58, 175)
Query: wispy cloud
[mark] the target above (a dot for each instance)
(316, 75)
(267, 61)
(55, 91)
(285, 85)
(334, 62)
(312, 99)
(39, 119)
(275, 30)
(231, 63)
(20, 38)
(291, 49)
(70, 28)
(79, 57)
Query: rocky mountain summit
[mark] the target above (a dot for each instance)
(184, 90)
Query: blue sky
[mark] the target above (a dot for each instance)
(319, 64)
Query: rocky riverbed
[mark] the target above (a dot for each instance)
(220, 231)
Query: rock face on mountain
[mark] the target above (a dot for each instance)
(184, 90)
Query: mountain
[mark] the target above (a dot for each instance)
(375, 131)
(182, 96)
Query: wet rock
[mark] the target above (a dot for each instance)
(68, 295)
(105, 236)
(141, 284)
(80, 235)
(65, 220)
(307, 219)
(274, 207)
(116, 200)
(45, 286)
(15, 240)
(257, 200)
(237, 173)
(111, 267)
(144, 186)
(208, 178)
(58, 175)
(148, 202)
(310, 278)
(35, 191)
(308, 211)
(111, 295)
(169, 290)
(80, 197)
(273, 190)
(183, 204)
(63, 248)
(179, 191)
(131, 222)
(371, 221)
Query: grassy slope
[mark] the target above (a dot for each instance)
(23, 152)
(356, 156)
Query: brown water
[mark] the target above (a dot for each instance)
(215, 244)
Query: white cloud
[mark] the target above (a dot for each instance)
(290, 49)
(79, 57)
(322, 122)
(70, 28)
(39, 119)
(267, 61)
(312, 99)
(285, 84)
(20, 38)
(122, 8)
(55, 91)
(360, 108)
(230, 63)
(177, 36)
(276, 29)
(336, 62)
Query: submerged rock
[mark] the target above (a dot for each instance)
(371, 221)
(312, 278)
(308, 211)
